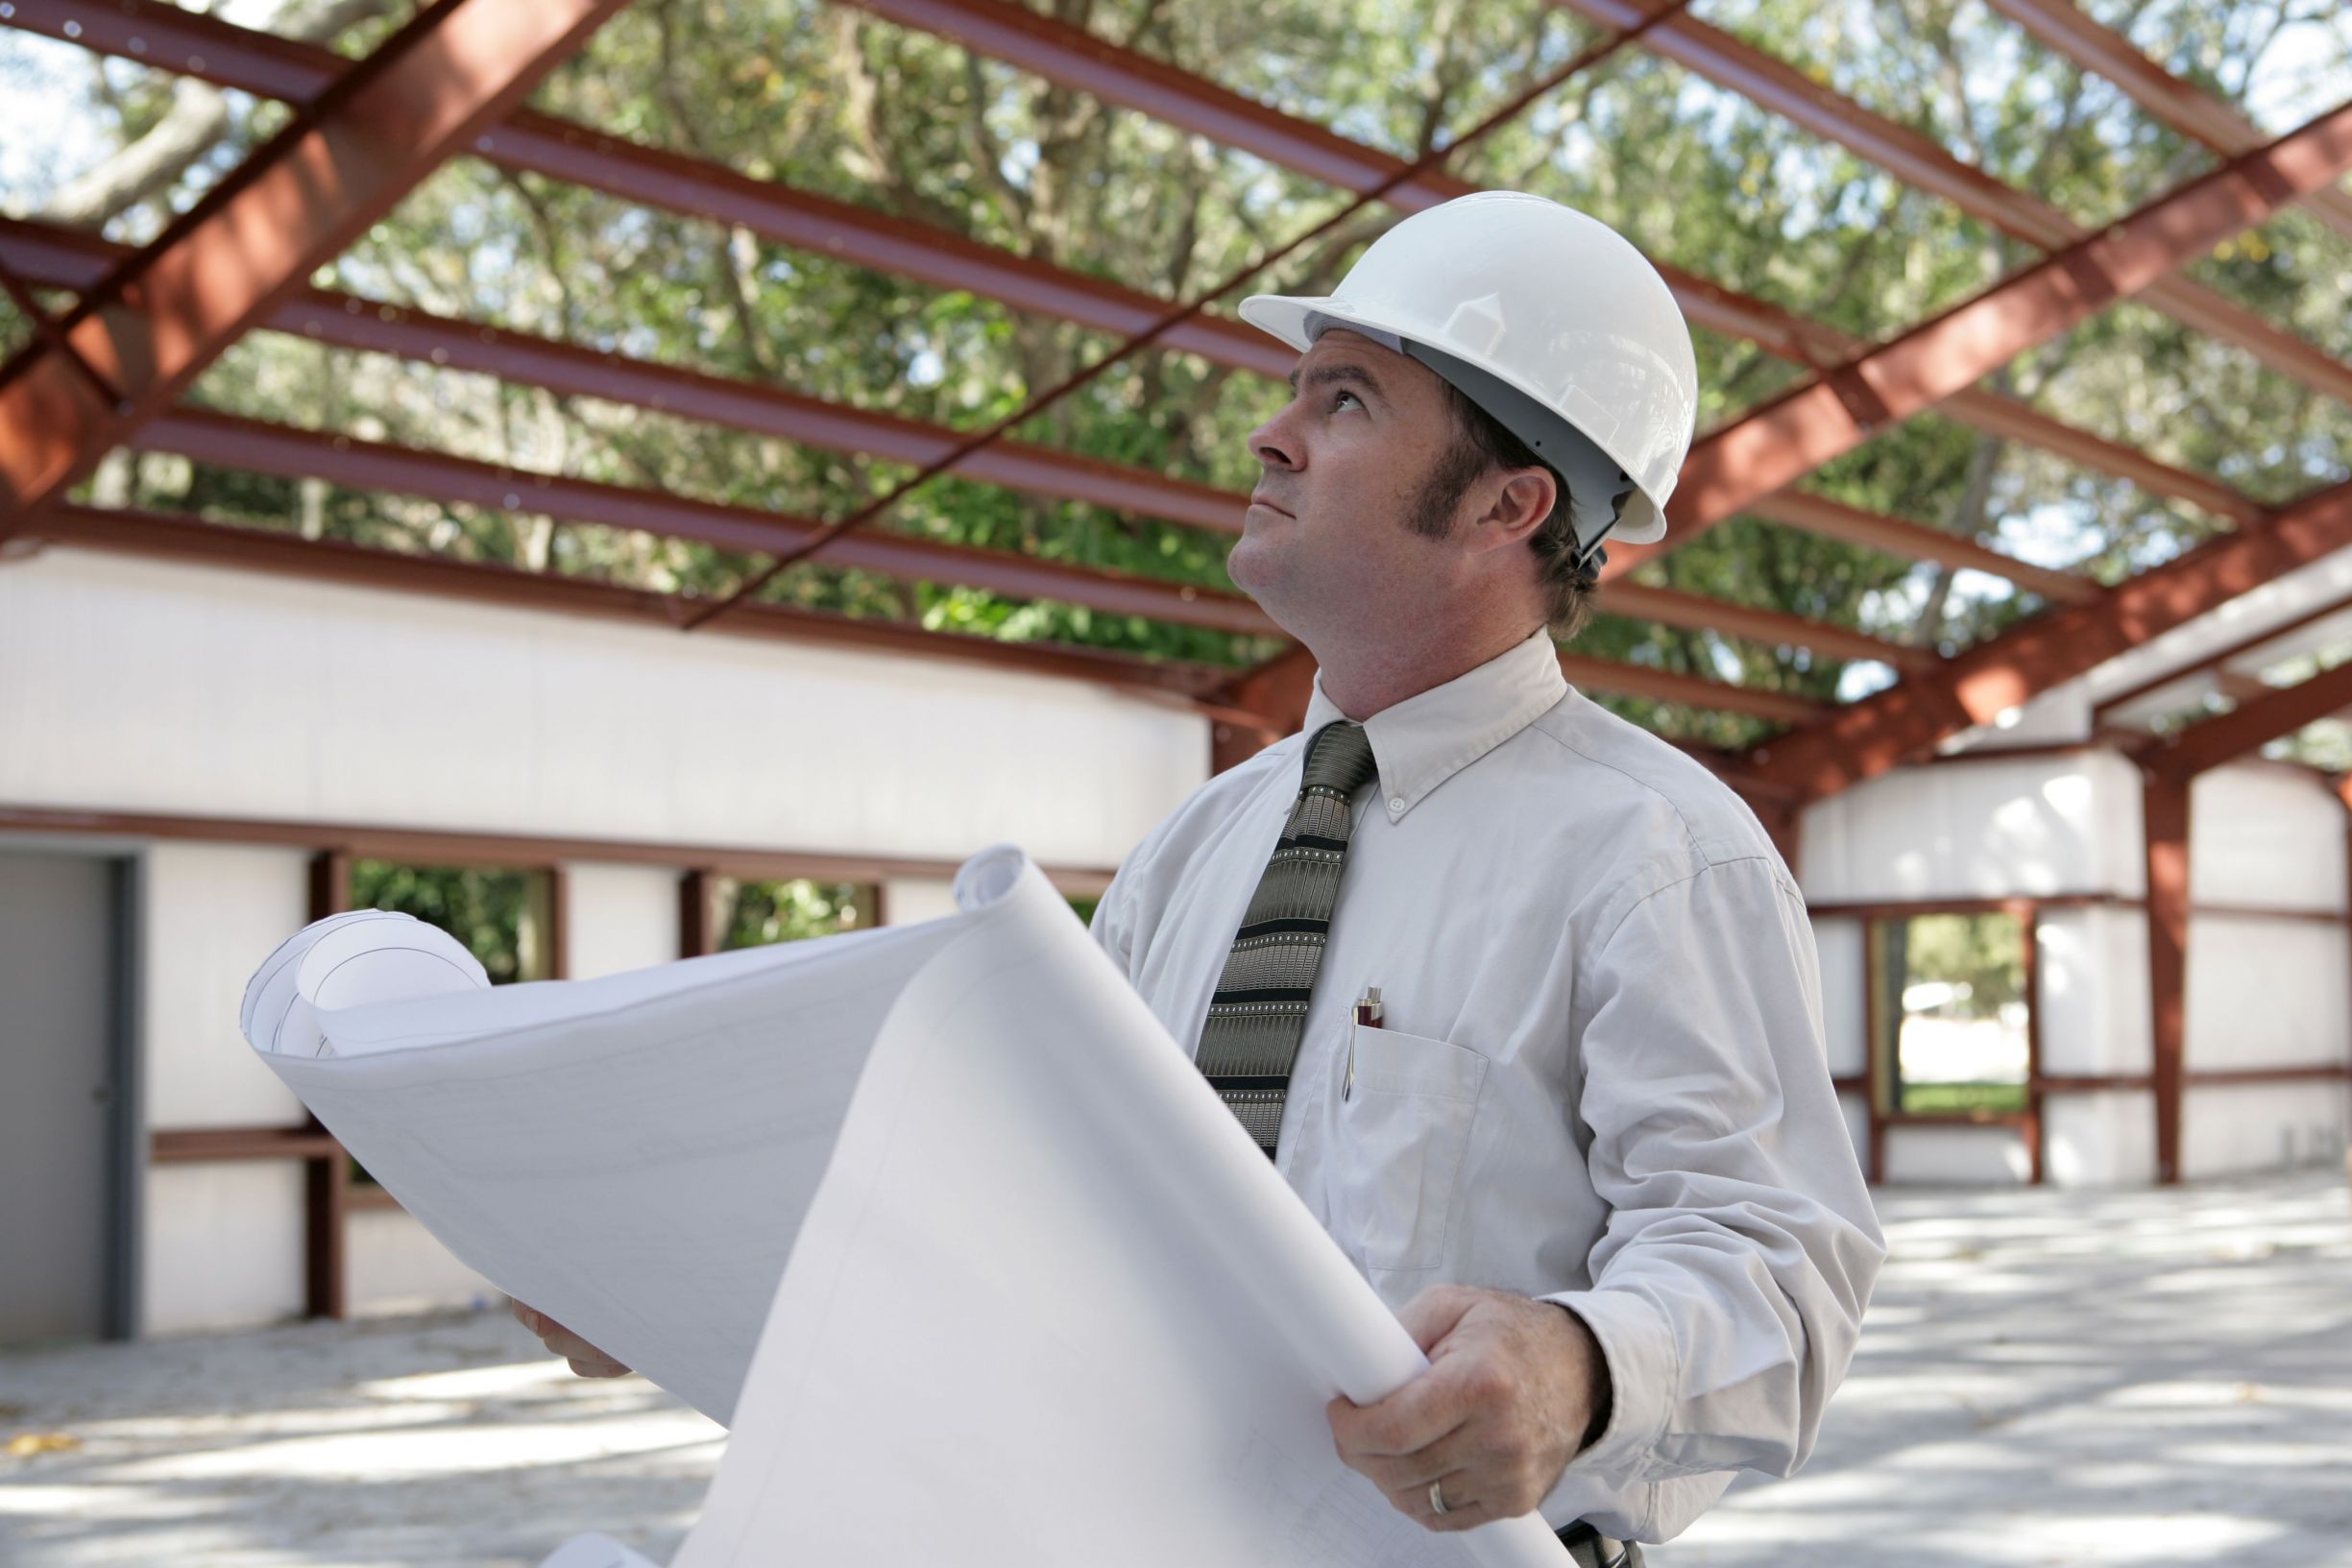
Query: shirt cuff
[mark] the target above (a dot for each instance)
(1637, 1343)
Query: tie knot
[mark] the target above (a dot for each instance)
(1339, 758)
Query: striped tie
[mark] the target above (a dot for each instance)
(1260, 1008)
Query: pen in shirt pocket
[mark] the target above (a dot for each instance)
(1368, 1017)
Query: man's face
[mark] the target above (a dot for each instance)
(1327, 534)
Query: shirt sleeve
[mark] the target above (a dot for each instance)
(1741, 1246)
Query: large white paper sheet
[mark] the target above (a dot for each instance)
(1052, 1306)
(631, 1155)
(1045, 1302)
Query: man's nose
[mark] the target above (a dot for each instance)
(1273, 446)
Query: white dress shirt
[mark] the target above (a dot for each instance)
(1601, 1077)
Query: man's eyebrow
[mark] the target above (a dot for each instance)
(1324, 376)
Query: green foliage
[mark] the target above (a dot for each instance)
(501, 916)
(760, 913)
(1986, 953)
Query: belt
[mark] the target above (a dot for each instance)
(1588, 1548)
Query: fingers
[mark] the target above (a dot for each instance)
(1430, 1316)
(584, 1359)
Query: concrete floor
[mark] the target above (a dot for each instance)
(2047, 1378)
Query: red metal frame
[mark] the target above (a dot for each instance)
(2179, 104)
(1867, 738)
(2220, 657)
(258, 63)
(346, 159)
(2209, 744)
(1914, 540)
(1797, 432)
(261, 447)
(66, 260)
(1778, 86)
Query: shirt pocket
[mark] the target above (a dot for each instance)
(1402, 1132)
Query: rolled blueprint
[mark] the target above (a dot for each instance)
(1022, 1291)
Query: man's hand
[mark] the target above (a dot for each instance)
(1513, 1385)
(585, 1358)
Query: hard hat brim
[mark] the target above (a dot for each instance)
(1294, 319)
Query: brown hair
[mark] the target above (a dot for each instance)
(1482, 445)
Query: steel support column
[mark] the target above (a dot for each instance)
(2165, 821)
(352, 153)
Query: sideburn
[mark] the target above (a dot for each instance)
(1430, 512)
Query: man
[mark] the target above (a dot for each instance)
(1585, 1139)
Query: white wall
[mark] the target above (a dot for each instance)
(1955, 1156)
(2100, 1139)
(213, 912)
(2266, 837)
(2229, 1131)
(2261, 992)
(223, 1245)
(2043, 823)
(393, 1264)
(143, 685)
(2264, 992)
(908, 901)
(619, 917)
(2093, 992)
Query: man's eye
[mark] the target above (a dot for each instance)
(1349, 396)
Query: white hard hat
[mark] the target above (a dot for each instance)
(1547, 318)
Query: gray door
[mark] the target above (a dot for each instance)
(58, 1000)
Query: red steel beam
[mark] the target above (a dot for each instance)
(257, 549)
(67, 259)
(62, 259)
(1915, 540)
(2225, 737)
(353, 151)
(1797, 432)
(1870, 736)
(230, 55)
(1668, 607)
(2221, 656)
(1070, 55)
(164, 35)
(1690, 690)
(2182, 105)
(259, 446)
(1919, 160)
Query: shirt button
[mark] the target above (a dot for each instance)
(1397, 805)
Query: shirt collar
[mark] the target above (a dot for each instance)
(1424, 740)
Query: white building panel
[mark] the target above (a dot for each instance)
(211, 913)
(1955, 1156)
(2230, 1130)
(393, 1264)
(223, 1245)
(619, 917)
(2260, 835)
(2093, 992)
(1843, 992)
(2100, 1139)
(2041, 823)
(908, 901)
(2267, 992)
(140, 685)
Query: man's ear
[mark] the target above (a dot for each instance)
(1519, 508)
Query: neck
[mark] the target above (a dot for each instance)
(1362, 677)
